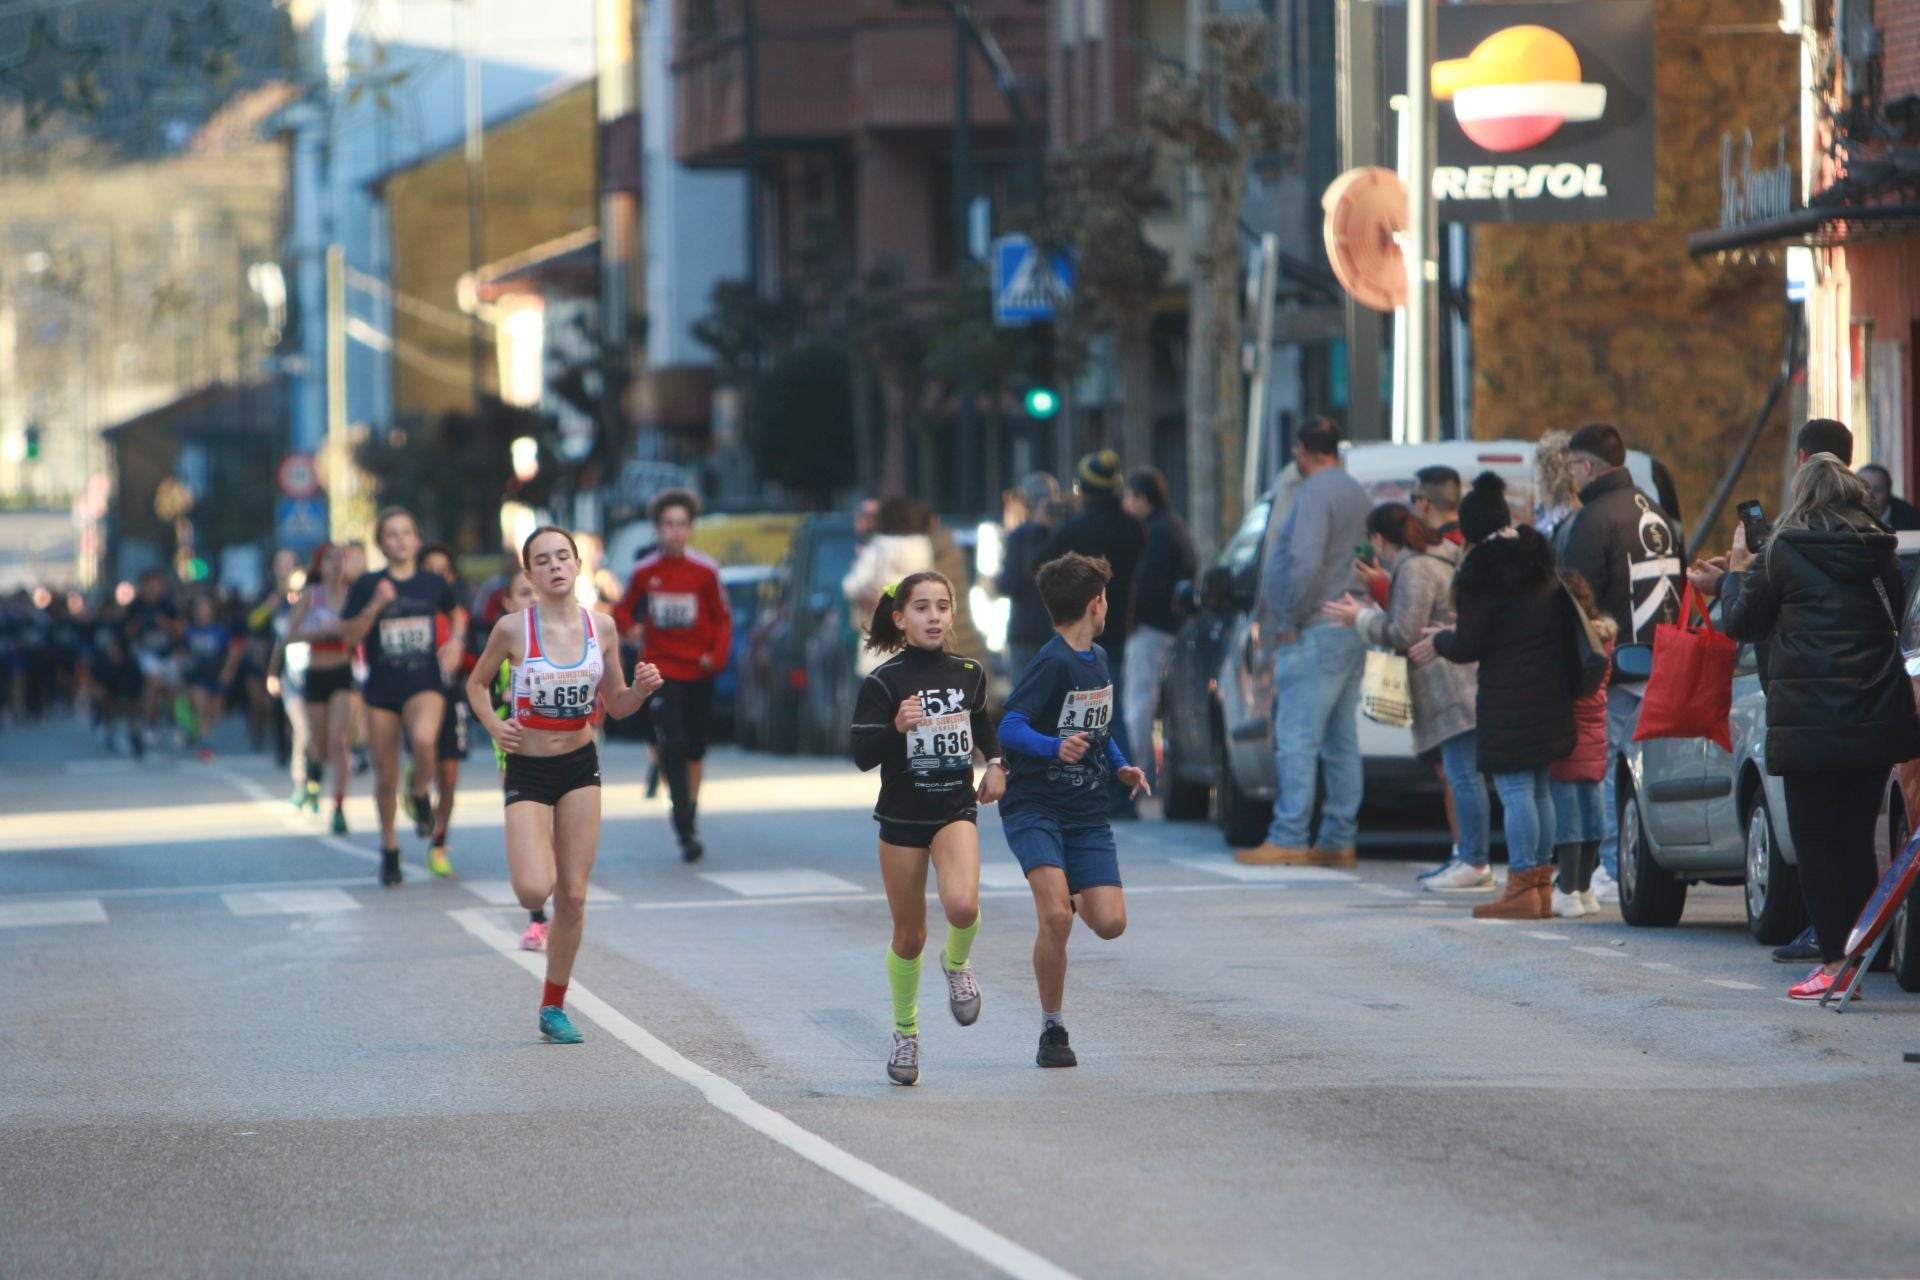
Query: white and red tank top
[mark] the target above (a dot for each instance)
(547, 695)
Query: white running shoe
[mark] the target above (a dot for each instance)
(1453, 856)
(1461, 877)
(963, 993)
(1605, 887)
(1589, 902)
(903, 1064)
(1568, 906)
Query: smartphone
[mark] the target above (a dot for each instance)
(1754, 520)
(1363, 552)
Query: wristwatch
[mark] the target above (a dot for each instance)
(996, 761)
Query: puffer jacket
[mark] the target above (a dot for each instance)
(1838, 694)
(1419, 596)
(1510, 622)
(1588, 763)
(1627, 549)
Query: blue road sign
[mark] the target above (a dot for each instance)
(302, 523)
(1028, 287)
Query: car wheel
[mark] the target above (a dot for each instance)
(1649, 897)
(1775, 913)
(1244, 820)
(1180, 801)
(1902, 950)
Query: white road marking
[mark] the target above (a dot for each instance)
(811, 899)
(186, 890)
(780, 883)
(1002, 875)
(729, 1098)
(59, 911)
(278, 804)
(1549, 937)
(1659, 966)
(289, 902)
(1266, 875)
(1611, 953)
(500, 893)
(1382, 891)
(1731, 985)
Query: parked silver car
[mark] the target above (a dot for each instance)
(1691, 812)
(1217, 699)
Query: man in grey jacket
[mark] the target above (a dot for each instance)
(1316, 664)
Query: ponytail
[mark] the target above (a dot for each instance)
(884, 635)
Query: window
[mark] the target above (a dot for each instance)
(1241, 555)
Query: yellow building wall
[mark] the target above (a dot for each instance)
(539, 186)
(1613, 321)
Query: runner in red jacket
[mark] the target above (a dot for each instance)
(675, 612)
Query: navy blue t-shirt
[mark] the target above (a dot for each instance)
(1061, 693)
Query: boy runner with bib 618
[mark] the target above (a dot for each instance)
(920, 717)
(1058, 734)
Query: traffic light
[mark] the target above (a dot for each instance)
(1043, 389)
(32, 453)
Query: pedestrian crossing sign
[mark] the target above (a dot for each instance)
(1028, 286)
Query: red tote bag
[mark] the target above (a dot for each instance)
(1690, 693)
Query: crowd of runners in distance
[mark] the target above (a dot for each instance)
(352, 671)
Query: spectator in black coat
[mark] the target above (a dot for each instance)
(1511, 621)
(1169, 560)
(1840, 709)
(1028, 626)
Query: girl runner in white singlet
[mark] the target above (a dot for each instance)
(562, 676)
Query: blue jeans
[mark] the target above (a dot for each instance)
(1316, 695)
(1528, 799)
(1470, 804)
(1576, 813)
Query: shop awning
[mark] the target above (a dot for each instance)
(1820, 227)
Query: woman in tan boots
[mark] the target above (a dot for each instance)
(1509, 621)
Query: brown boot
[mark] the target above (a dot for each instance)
(1270, 854)
(1347, 857)
(1529, 896)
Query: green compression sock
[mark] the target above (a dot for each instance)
(904, 977)
(960, 943)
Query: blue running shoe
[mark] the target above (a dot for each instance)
(557, 1027)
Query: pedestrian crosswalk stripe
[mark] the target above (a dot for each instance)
(778, 884)
(1224, 866)
(289, 902)
(59, 911)
(1002, 875)
(500, 893)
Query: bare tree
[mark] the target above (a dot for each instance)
(1219, 116)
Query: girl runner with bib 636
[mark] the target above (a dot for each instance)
(920, 717)
(561, 675)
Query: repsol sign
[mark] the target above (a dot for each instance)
(1542, 112)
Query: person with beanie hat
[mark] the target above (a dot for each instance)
(1104, 530)
(1510, 621)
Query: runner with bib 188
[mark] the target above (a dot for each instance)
(566, 664)
(396, 613)
(919, 718)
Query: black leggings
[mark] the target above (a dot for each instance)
(681, 711)
(1831, 817)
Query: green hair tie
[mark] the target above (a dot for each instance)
(893, 592)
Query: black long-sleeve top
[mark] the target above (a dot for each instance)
(926, 775)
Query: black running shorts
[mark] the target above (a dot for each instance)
(919, 835)
(324, 682)
(544, 779)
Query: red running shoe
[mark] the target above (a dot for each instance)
(1815, 986)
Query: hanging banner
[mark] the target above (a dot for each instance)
(1542, 112)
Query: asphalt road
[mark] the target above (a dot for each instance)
(224, 1051)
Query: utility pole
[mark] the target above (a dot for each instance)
(476, 196)
(963, 419)
(339, 456)
(1360, 145)
(1203, 452)
(1418, 249)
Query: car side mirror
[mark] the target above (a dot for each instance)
(1633, 663)
(1216, 589)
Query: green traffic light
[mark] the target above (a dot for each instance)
(1042, 402)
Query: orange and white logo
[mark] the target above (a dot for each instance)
(1517, 88)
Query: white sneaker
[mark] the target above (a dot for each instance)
(1461, 877)
(1605, 887)
(1568, 906)
(1589, 902)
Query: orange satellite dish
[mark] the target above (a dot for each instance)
(1366, 208)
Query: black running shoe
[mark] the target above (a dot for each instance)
(1804, 949)
(691, 850)
(1054, 1050)
(390, 868)
(420, 808)
(653, 781)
